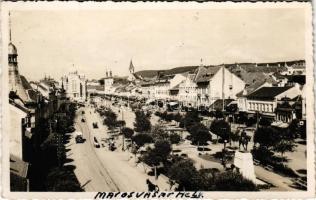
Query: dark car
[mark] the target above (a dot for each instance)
(83, 120)
(79, 139)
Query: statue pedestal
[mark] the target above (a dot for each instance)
(244, 163)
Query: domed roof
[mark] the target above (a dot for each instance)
(12, 49)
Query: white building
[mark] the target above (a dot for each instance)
(108, 83)
(297, 68)
(188, 91)
(75, 85)
(208, 84)
(264, 100)
(242, 96)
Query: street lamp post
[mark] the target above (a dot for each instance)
(123, 137)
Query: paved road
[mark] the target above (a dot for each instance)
(89, 169)
(99, 169)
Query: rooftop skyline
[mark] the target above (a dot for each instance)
(51, 42)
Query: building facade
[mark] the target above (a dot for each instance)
(75, 85)
(108, 83)
(265, 99)
(188, 91)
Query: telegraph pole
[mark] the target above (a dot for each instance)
(123, 137)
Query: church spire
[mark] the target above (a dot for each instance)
(131, 67)
(201, 64)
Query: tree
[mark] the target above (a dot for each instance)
(232, 181)
(158, 133)
(200, 134)
(267, 137)
(120, 123)
(284, 146)
(174, 138)
(185, 174)
(162, 149)
(190, 119)
(221, 128)
(142, 122)
(127, 132)
(158, 154)
(62, 125)
(62, 180)
(142, 138)
(110, 119)
(294, 129)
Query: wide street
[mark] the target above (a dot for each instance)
(99, 169)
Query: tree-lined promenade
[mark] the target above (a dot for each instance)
(151, 143)
(179, 170)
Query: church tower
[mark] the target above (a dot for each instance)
(15, 83)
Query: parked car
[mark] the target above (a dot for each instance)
(96, 143)
(79, 137)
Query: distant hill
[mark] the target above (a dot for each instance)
(249, 67)
(177, 70)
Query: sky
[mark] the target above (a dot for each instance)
(55, 42)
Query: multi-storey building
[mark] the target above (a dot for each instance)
(216, 82)
(108, 83)
(265, 99)
(188, 91)
(75, 85)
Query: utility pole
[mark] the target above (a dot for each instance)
(223, 85)
(123, 137)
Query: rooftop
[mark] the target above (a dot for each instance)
(204, 74)
(267, 93)
(95, 87)
(218, 104)
(18, 167)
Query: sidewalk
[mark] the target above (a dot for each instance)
(281, 183)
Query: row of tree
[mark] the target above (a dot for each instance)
(110, 119)
(181, 170)
(48, 172)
